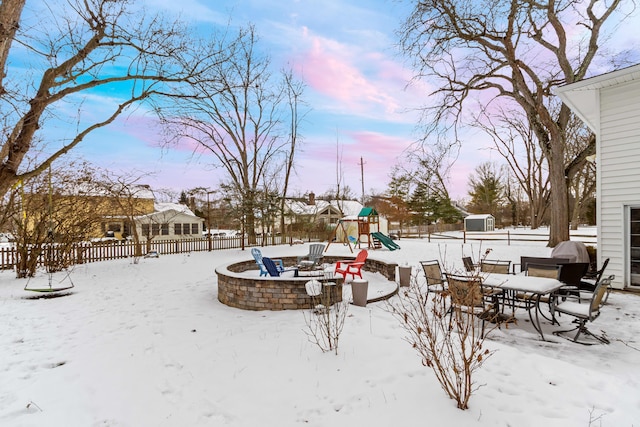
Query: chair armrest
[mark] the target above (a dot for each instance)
(355, 264)
(344, 261)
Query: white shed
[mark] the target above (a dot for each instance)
(610, 105)
(480, 222)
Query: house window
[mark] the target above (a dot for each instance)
(165, 229)
(177, 229)
(155, 229)
(195, 229)
(634, 250)
(145, 229)
(185, 228)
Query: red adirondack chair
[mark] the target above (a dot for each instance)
(352, 267)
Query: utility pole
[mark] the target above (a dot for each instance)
(362, 178)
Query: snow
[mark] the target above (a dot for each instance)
(149, 344)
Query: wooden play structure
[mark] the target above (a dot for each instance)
(368, 231)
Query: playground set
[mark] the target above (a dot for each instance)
(368, 230)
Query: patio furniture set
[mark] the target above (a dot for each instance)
(547, 288)
(310, 265)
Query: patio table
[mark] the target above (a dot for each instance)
(536, 286)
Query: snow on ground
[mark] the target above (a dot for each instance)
(149, 344)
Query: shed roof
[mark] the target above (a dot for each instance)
(478, 216)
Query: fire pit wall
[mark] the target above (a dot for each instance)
(279, 293)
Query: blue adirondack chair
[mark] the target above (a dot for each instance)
(257, 255)
(271, 267)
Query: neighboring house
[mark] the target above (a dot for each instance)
(97, 211)
(610, 105)
(320, 212)
(169, 221)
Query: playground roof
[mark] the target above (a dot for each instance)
(368, 211)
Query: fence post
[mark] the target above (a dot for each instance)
(464, 236)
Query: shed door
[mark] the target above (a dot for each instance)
(634, 250)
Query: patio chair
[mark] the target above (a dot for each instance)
(591, 278)
(525, 299)
(583, 313)
(257, 255)
(314, 257)
(468, 263)
(273, 269)
(468, 295)
(436, 281)
(352, 267)
(586, 294)
(495, 266)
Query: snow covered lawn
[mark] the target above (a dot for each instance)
(149, 344)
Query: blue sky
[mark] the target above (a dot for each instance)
(356, 89)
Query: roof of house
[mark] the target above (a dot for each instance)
(169, 210)
(99, 190)
(347, 207)
(582, 96)
(178, 207)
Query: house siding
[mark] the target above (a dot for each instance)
(169, 219)
(618, 160)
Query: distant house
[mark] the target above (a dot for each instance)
(321, 213)
(169, 221)
(94, 210)
(610, 105)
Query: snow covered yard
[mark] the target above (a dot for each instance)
(149, 344)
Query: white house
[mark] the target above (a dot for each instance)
(610, 105)
(169, 221)
(324, 213)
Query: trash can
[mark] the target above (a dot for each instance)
(405, 275)
(359, 288)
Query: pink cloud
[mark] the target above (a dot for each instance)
(361, 82)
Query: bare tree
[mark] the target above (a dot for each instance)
(294, 90)
(10, 11)
(581, 175)
(49, 219)
(130, 199)
(236, 115)
(92, 45)
(515, 52)
(515, 141)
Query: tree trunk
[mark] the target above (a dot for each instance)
(559, 216)
(10, 11)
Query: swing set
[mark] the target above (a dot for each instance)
(53, 261)
(368, 222)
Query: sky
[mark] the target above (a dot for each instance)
(361, 108)
(149, 344)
